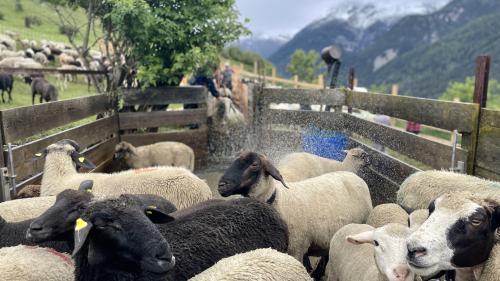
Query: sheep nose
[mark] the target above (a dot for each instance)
(401, 273)
(416, 252)
(35, 226)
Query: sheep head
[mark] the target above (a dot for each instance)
(123, 150)
(71, 148)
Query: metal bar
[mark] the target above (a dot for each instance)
(12, 176)
(454, 150)
(5, 192)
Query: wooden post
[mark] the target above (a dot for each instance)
(394, 92)
(273, 72)
(355, 83)
(255, 67)
(296, 81)
(352, 78)
(4, 187)
(469, 141)
(321, 81)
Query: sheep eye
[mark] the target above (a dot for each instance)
(476, 222)
(376, 243)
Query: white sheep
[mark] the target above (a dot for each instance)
(24, 209)
(8, 42)
(302, 165)
(260, 264)
(166, 153)
(11, 54)
(314, 209)
(418, 190)
(361, 252)
(41, 58)
(66, 59)
(28, 263)
(178, 185)
(417, 218)
(387, 213)
(64, 78)
(19, 62)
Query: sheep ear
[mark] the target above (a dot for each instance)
(82, 230)
(86, 185)
(361, 238)
(81, 161)
(495, 217)
(157, 216)
(272, 171)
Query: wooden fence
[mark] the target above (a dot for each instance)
(97, 137)
(286, 128)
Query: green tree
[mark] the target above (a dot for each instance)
(464, 92)
(304, 65)
(162, 39)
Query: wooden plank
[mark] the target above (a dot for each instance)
(482, 79)
(165, 95)
(431, 153)
(280, 141)
(322, 97)
(27, 121)
(196, 139)
(323, 120)
(441, 114)
(487, 174)
(488, 148)
(135, 120)
(382, 189)
(395, 170)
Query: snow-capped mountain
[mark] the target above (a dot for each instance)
(262, 44)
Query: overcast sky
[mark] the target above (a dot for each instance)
(286, 17)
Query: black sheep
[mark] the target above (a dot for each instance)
(116, 241)
(14, 233)
(42, 87)
(6, 84)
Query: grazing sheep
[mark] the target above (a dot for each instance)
(261, 264)
(26, 208)
(41, 58)
(359, 252)
(58, 221)
(302, 165)
(178, 185)
(314, 209)
(64, 78)
(179, 248)
(8, 42)
(70, 52)
(65, 59)
(29, 53)
(459, 234)
(418, 190)
(28, 263)
(11, 54)
(19, 62)
(6, 85)
(29, 191)
(42, 87)
(166, 153)
(387, 213)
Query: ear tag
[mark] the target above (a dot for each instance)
(152, 207)
(89, 190)
(38, 155)
(149, 212)
(80, 224)
(81, 159)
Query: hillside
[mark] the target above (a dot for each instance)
(48, 30)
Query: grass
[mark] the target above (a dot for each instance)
(48, 30)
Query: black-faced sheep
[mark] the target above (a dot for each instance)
(42, 87)
(116, 240)
(459, 234)
(178, 185)
(314, 209)
(166, 153)
(6, 85)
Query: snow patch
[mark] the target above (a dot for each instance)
(384, 59)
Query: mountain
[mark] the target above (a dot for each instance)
(419, 33)
(265, 46)
(352, 26)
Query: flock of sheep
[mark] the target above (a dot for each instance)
(304, 218)
(16, 53)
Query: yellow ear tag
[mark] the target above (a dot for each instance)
(152, 207)
(81, 159)
(89, 190)
(149, 212)
(80, 224)
(38, 154)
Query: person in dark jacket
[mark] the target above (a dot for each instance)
(203, 77)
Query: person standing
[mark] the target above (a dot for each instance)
(227, 77)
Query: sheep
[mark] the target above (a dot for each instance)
(361, 252)
(64, 78)
(29, 191)
(8, 42)
(26, 208)
(302, 165)
(387, 213)
(29, 53)
(417, 218)
(58, 221)
(261, 264)
(42, 87)
(41, 58)
(11, 54)
(166, 153)
(65, 59)
(177, 249)
(19, 62)
(70, 52)
(178, 185)
(6, 85)
(418, 190)
(459, 234)
(314, 209)
(28, 263)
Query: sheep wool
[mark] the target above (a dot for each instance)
(421, 188)
(28, 263)
(26, 208)
(261, 264)
(178, 185)
(491, 270)
(387, 213)
(166, 153)
(417, 218)
(302, 165)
